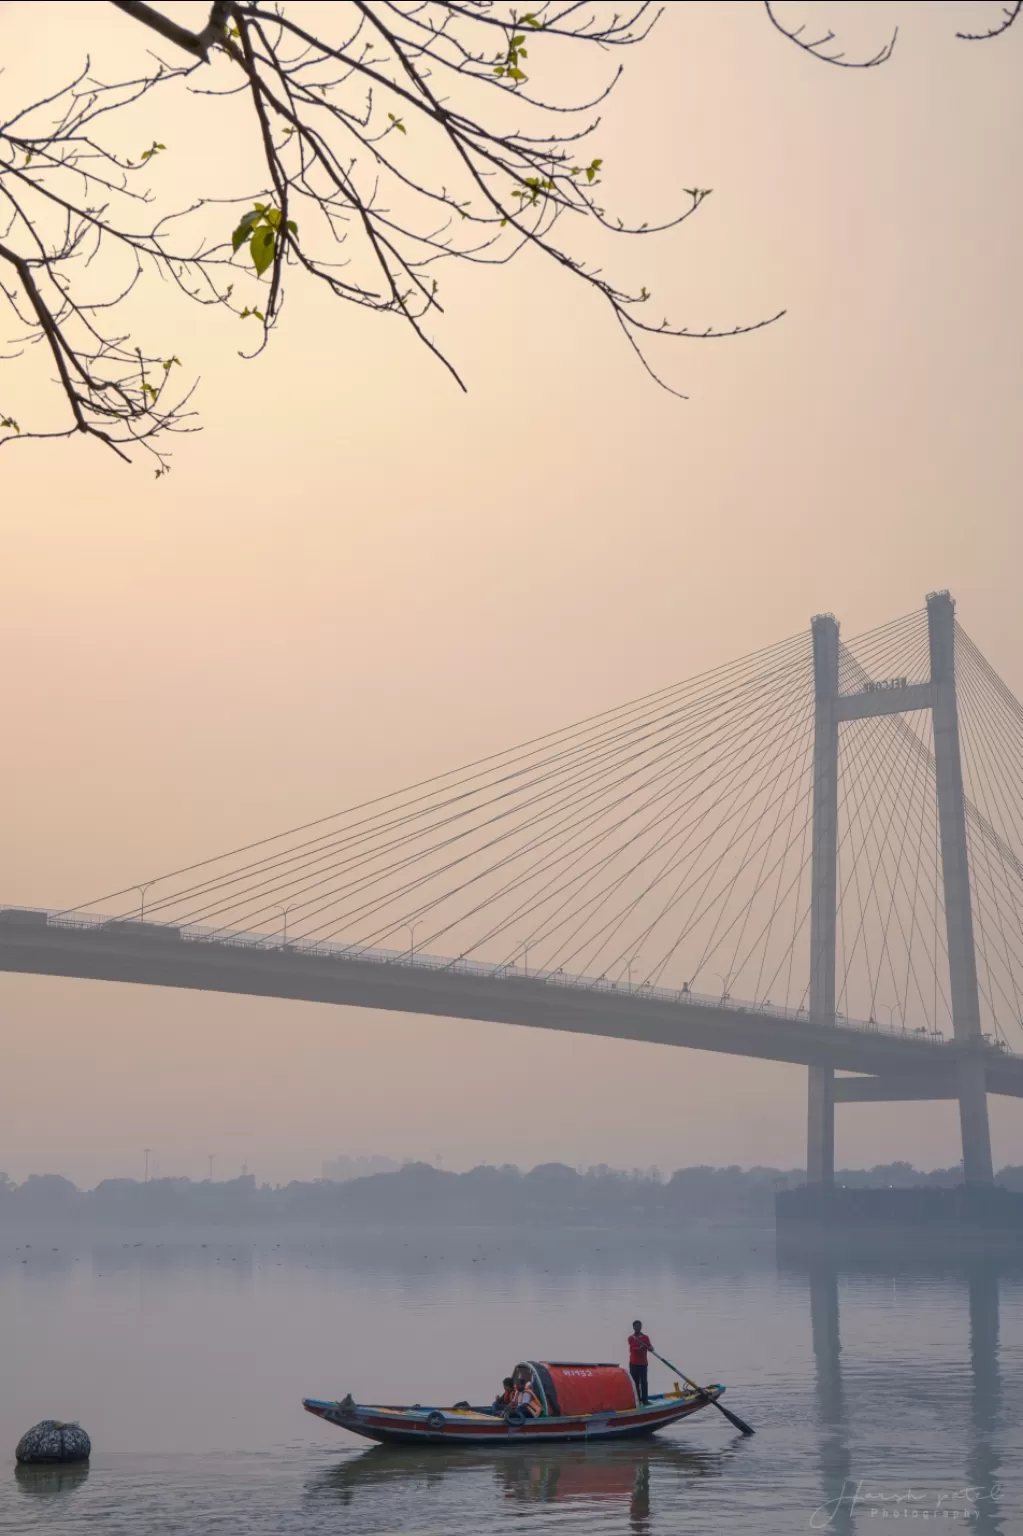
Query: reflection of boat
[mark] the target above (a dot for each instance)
(580, 1402)
(619, 1472)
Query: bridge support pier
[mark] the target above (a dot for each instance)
(820, 1138)
(820, 1132)
(896, 698)
(955, 873)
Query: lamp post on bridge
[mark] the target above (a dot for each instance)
(142, 889)
(724, 985)
(891, 1009)
(412, 939)
(284, 911)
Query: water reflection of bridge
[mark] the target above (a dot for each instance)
(967, 1495)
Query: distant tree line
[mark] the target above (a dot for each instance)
(551, 1194)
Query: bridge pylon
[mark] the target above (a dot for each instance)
(833, 708)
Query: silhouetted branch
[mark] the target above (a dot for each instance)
(382, 162)
(817, 45)
(197, 43)
(1010, 14)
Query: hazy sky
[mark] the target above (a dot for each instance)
(356, 577)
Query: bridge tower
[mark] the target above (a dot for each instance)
(832, 708)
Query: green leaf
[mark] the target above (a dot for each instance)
(9, 421)
(261, 248)
(244, 229)
(396, 122)
(292, 227)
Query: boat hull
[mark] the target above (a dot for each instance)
(476, 1426)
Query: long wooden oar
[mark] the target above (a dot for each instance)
(733, 1418)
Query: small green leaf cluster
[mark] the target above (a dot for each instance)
(509, 69)
(261, 229)
(152, 391)
(9, 421)
(589, 171)
(532, 186)
(154, 149)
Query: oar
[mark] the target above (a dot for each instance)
(733, 1418)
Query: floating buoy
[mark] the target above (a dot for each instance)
(52, 1441)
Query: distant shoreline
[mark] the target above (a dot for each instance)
(549, 1197)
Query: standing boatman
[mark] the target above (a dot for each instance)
(639, 1344)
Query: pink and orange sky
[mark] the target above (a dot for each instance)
(355, 577)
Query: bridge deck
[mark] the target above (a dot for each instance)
(150, 954)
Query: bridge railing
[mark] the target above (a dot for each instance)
(498, 971)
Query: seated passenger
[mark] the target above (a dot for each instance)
(527, 1399)
(505, 1399)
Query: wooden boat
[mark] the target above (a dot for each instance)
(580, 1402)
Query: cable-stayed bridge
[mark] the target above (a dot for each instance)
(812, 855)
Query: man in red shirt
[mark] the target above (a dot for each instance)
(639, 1343)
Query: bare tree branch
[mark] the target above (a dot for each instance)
(1010, 14)
(388, 153)
(196, 43)
(819, 47)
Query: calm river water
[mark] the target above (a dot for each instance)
(882, 1392)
